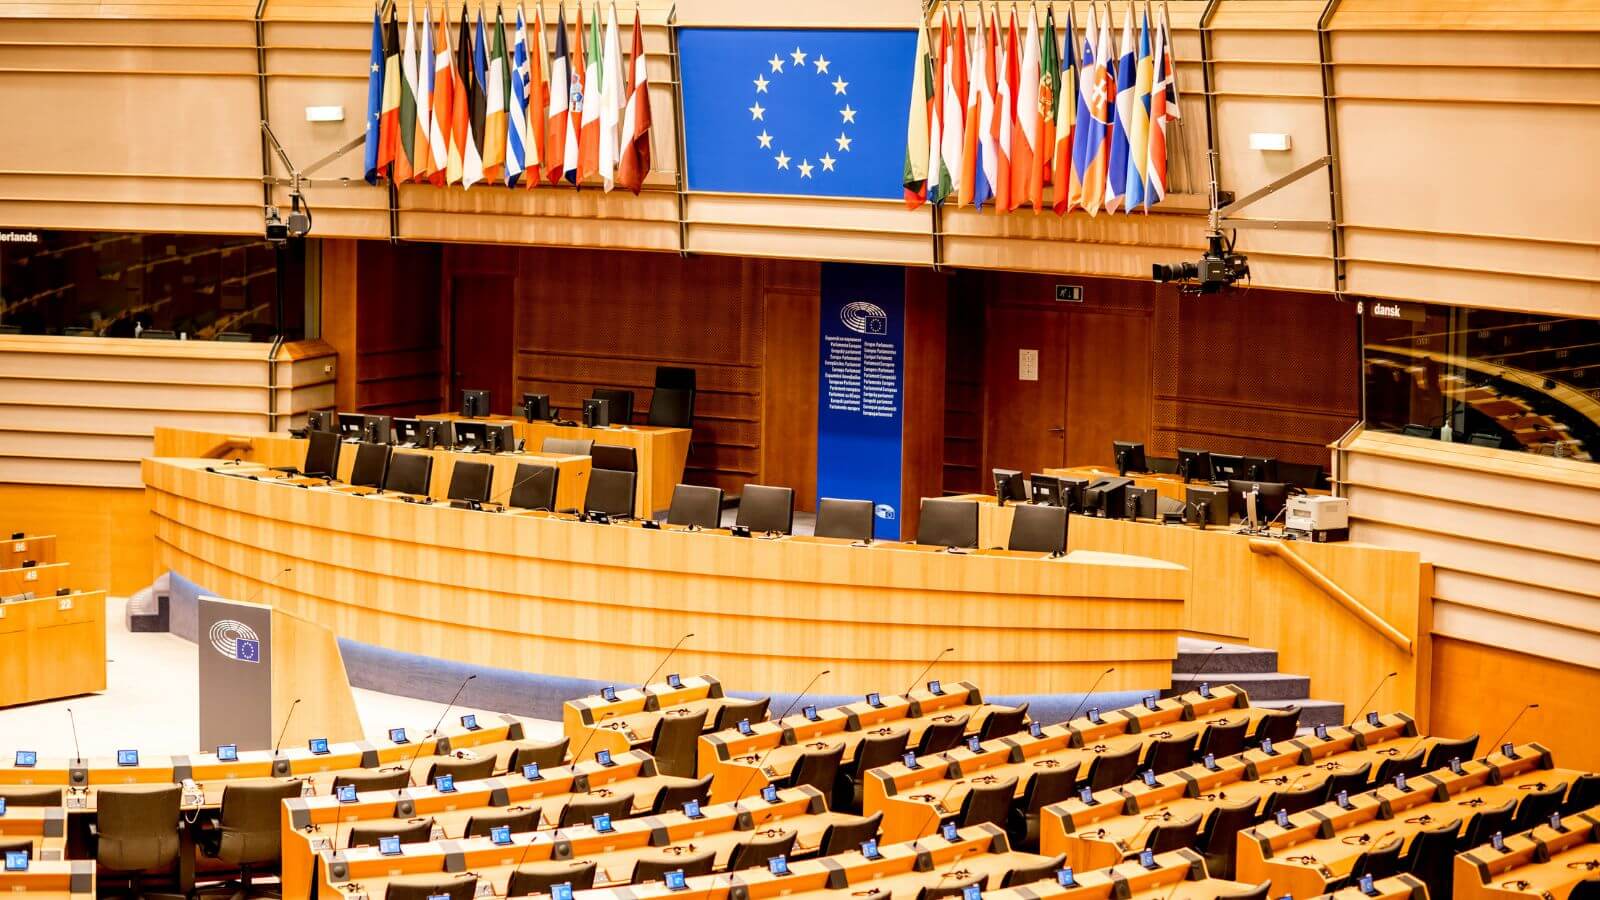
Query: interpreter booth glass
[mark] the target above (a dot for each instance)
(186, 286)
(1483, 377)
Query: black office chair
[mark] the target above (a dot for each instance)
(1169, 754)
(849, 834)
(818, 768)
(1379, 862)
(1176, 835)
(849, 519)
(948, 523)
(247, 832)
(695, 505)
(1038, 529)
(14, 845)
(671, 408)
(518, 819)
(755, 852)
(680, 378)
(987, 803)
(566, 446)
(1259, 892)
(471, 481)
(1219, 843)
(548, 755)
(1045, 787)
(534, 487)
(375, 780)
(1112, 769)
(582, 809)
(1536, 806)
(733, 710)
(872, 751)
(674, 741)
(32, 795)
(1003, 722)
(422, 887)
(1431, 856)
(1409, 766)
(767, 508)
(1297, 799)
(1028, 874)
(1587, 889)
(540, 877)
(610, 492)
(613, 456)
(1352, 782)
(941, 736)
(371, 466)
(461, 769)
(1277, 726)
(678, 791)
(619, 403)
(409, 473)
(648, 870)
(1486, 823)
(416, 832)
(1440, 754)
(135, 835)
(322, 454)
(954, 887)
(1223, 740)
(1585, 794)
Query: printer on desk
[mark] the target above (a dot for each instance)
(1318, 518)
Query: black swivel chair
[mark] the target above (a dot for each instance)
(850, 519)
(1277, 726)
(948, 523)
(484, 822)
(1585, 794)
(767, 508)
(1409, 766)
(540, 877)
(247, 835)
(1028, 874)
(818, 768)
(1003, 722)
(456, 887)
(755, 852)
(1038, 529)
(1045, 787)
(1259, 892)
(849, 834)
(671, 408)
(732, 710)
(409, 473)
(1112, 769)
(582, 809)
(676, 377)
(1352, 782)
(376, 780)
(136, 835)
(31, 795)
(1486, 823)
(614, 456)
(648, 870)
(322, 454)
(461, 770)
(1587, 889)
(1431, 856)
(619, 404)
(566, 446)
(1169, 836)
(1535, 807)
(872, 751)
(941, 736)
(674, 741)
(1220, 842)
(1297, 800)
(675, 793)
(471, 481)
(695, 505)
(1379, 862)
(15, 844)
(548, 755)
(1169, 754)
(534, 487)
(610, 492)
(369, 835)
(1440, 754)
(951, 888)
(371, 466)
(1223, 740)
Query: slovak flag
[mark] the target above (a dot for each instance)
(1117, 174)
(1091, 155)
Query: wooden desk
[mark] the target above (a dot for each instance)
(52, 646)
(594, 723)
(42, 579)
(52, 880)
(41, 548)
(1484, 873)
(46, 826)
(1177, 874)
(592, 601)
(1166, 484)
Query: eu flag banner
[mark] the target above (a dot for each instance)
(796, 111)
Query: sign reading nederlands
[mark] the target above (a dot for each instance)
(859, 413)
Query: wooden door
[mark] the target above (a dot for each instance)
(1025, 418)
(1109, 395)
(481, 335)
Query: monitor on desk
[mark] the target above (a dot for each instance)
(406, 431)
(1129, 456)
(597, 413)
(1044, 490)
(1008, 486)
(378, 430)
(352, 426)
(320, 420)
(1226, 467)
(436, 433)
(501, 438)
(1072, 492)
(471, 435)
(474, 404)
(1260, 468)
(1307, 477)
(536, 407)
(1270, 499)
(1194, 465)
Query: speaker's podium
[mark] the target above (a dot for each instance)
(265, 673)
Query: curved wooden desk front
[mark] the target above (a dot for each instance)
(547, 594)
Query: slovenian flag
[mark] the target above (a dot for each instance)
(1116, 174)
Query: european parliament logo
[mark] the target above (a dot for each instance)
(235, 640)
(796, 111)
(863, 317)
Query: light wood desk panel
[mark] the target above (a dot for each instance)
(41, 579)
(52, 647)
(52, 880)
(596, 601)
(41, 548)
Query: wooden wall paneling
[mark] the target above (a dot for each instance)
(923, 393)
(341, 314)
(964, 419)
(481, 332)
(1479, 688)
(400, 352)
(307, 376)
(1025, 422)
(789, 393)
(1108, 384)
(104, 531)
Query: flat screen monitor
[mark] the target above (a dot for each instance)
(501, 438)
(1270, 499)
(352, 426)
(1107, 497)
(1045, 490)
(1306, 476)
(597, 413)
(474, 404)
(1226, 467)
(472, 434)
(1129, 456)
(1072, 490)
(1260, 468)
(948, 523)
(406, 431)
(1008, 485)
(1481, 439)
(436, 433)
(536, 407)
(320, 420)
(379, 430)
(1419, 431)
(1194, 465)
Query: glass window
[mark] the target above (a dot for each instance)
(200, 287)
(1498, 379)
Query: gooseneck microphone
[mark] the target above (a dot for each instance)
(928, 668)
(1495, 744)
(1381, 682)
(278, 744)
(664, 659)
(269, 583)
(77, 750)
(436, 726)
(578, 757)
(1108, 671)
(763, 760)
(1195, 678)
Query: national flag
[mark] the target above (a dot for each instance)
(538, 96)
(915, 176)
(406, 160)
(972, 113)
(1049, 96)
(389, 118)
(430, 90)
(953, 120)
(556, 113)
(498, 89)
(939, 184)
(1116, 174)
(478, 103)
(988, 173)
(1093, 138)
(613, 97)
(1005, 113)
(1163, 108)
(1066, 119)
(454, 89)
(374, 101)
(1025, 137)
(593, 100)
(517, 143)
(636, 121)
(1139, 124)
(578, 76)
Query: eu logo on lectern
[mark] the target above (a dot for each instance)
(796, 111)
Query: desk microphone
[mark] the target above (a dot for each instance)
(436, 726)
(1195, 678)
(934, 812)
(929, 667)
(578, 757)
(1493, 746)
(1108, 671)
(1381, 683)
(269, 582)
(664, 660)
(279, 743)
(763, 760)
(73, 720)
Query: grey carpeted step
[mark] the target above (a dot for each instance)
(1312, 712)
(1259, 685)
(1232, 658)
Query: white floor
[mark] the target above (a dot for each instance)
(152, 702)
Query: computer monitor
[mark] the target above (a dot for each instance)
(474, 404)
(1260, 468)
(1480, 439)
(1129, 456)
(1225, 467)
(435, 433)
(536, 407)
(1045, 490)
(472, 434)
(352, 426)
(1194, 465)
(379, 430)
(1206, 505)
(1306, 476)
(1072, 493)
(320, 420)
(1008, 486)
(406, 431)
(1419, 431)
(501, 438)
(597, 413)
(1107, 497)
(948, 523)
(1270, 499)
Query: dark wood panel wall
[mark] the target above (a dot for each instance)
(381, 311)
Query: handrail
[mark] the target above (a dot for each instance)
(1314, 575)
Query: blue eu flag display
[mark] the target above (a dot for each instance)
(374, 101)
(812, 112)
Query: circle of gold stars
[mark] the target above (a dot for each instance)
(819, 65)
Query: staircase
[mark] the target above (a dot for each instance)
(1256, 671)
